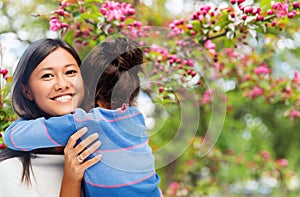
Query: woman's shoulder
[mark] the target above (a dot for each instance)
(45, 180)
(11, 163)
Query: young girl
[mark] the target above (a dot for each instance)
(47, 72)
(127, 167)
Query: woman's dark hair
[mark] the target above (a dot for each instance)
(120, 62)
(22, 106)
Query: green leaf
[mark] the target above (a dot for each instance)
(196, 25)
(128, 21)
(84, 16)
(265, 5)
(90, 1)
(69, 36)
(76, 14)
(262, 27)
(228, 43)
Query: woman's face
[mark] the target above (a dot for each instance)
(56, 84)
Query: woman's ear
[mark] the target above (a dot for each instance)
(26, 92)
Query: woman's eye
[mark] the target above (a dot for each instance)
(46, 76)
(71, 72)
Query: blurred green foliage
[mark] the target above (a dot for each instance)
(257, 137)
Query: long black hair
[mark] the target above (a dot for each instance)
(22, 106)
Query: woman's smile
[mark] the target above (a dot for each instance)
(63, 98)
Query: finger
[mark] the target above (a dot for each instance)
(85, 143)
(92, 161)
(90, 150)
(73, 139)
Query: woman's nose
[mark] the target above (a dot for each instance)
(61, 84)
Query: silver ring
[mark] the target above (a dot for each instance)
(80, 158)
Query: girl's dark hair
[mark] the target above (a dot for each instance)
(22, 106)
(119, 83)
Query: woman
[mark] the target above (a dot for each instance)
(47, 82)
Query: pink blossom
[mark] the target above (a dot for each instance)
(55, 24)
(206, 98)
(262, 69)
(176, 28)
(288, 90)
(189, 26)
(292, 14)
(3, 71)
(270, 12)
(174, 185)
(296, 4)
(295, 113)
(244, 17)
(206, 7)
(296, 77)
(257, 91)
(282, 162)
(231, 53)
(265, 154)
(247, 77)
(2, 146)
(189, 62)
(116, 10)
(209, 44)
(281, 9)
(248, 10)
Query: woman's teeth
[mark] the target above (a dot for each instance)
(63, 99)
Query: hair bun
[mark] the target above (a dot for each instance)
(124, 54)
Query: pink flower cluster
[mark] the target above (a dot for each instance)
(210, 46)
(282, 10)
(56, 24)
(163, 51)
(262, 69)
(231, 53)
(201, 13)
(175, 27)
(294, 113)
(266, 155)
(116, 10)
(255, 92)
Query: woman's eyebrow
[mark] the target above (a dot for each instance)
(52, 68)
(68, 65)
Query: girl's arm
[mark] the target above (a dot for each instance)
(74, 169)
(26, 135)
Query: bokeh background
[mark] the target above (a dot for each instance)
(252, 48)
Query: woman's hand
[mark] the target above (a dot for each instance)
(75, 163)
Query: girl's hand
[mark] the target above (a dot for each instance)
(75, 163)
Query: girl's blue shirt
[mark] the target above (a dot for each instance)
(127, 166)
